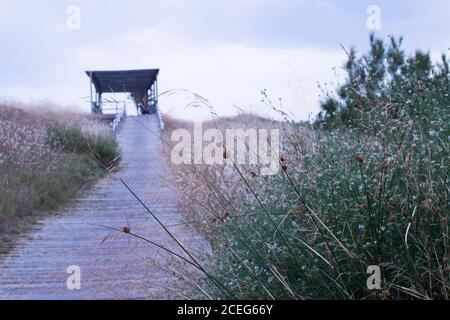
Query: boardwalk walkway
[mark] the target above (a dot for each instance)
(113, 265)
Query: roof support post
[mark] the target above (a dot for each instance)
(92, 93)
(95, 96)
(99, 102)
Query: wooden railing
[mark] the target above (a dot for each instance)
(160, 119)
(118, 110)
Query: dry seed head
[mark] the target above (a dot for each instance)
(359, 158)
(393, 219)
(385, 294)
(126, 229)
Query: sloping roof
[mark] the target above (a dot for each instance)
(123, 80)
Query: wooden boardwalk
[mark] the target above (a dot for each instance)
(113, 265)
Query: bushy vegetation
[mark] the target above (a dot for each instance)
(46, 158)
(388, 84)
(368, 185)
(73, 139)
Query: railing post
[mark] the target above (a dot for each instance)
(158, 113)
(156, 93)
(92, 94)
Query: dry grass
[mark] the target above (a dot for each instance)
(35, 176)
(205, 188)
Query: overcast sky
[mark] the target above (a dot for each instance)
(225, 50)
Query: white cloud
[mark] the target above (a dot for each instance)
(225, 50)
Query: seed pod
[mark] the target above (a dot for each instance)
(385, 294)
(126, 229)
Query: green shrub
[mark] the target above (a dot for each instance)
(73, 139)
(371, 189)
(386, 80)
